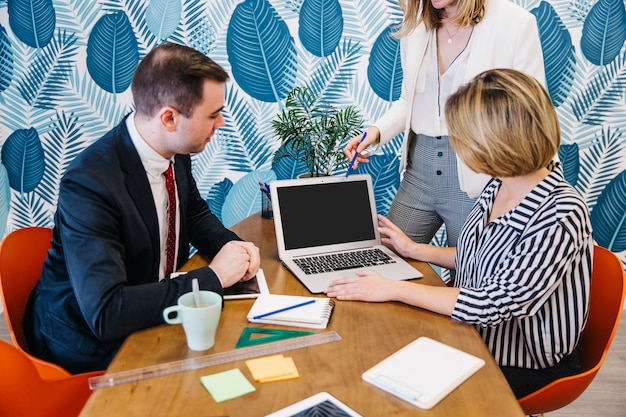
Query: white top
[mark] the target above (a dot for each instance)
(431, 87)
(155, 165)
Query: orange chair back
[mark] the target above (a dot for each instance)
(22, 253)
(606, 301)
(24, 393)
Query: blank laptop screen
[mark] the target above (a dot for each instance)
(325, 214)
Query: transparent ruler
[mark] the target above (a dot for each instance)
(132, 375)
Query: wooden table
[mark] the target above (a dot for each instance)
(370, 332)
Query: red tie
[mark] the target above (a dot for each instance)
(171, 220)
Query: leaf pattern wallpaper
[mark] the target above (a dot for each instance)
(66, 68)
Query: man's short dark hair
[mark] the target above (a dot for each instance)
(173, 75)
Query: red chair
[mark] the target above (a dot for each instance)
(22, 253)
(608, 283)
(24, 393)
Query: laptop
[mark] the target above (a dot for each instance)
(326, 228)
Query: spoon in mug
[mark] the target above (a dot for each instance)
(196, 291)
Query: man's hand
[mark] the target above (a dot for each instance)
(236, 261)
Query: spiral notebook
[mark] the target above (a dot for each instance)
(292, 310)
(423, 372)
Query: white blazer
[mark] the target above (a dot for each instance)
(506, 37)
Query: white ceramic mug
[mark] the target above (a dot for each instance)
(200, 324)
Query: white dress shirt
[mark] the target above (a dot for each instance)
(155, 166)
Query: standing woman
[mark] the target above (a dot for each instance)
(444, 44)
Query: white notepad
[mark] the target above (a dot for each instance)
(314, 315)
(423, 372)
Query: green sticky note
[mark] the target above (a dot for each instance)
(227, 385)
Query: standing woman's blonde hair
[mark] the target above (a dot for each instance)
(503, 123)
(469, 12)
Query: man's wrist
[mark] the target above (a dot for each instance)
(217, 276)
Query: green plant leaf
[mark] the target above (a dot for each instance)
(313, 132)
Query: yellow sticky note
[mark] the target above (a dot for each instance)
(293, 373)
(227, 385)
(272, 368)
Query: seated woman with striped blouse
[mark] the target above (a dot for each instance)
(523, 260)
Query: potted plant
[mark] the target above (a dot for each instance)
(313, 133)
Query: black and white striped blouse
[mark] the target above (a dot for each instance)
(524, 277)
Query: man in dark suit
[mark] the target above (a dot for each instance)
(107, 274)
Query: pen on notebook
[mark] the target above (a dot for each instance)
(354, 156)
(280, 310)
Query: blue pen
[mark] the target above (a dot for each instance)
(354, 157)
(260, 316)
(264, 186)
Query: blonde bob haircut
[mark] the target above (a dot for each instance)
(502, 123)
(468, 13)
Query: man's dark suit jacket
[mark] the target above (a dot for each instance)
(99, 282)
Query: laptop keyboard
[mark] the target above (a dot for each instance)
(343, 260)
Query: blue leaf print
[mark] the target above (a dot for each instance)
(604, 31)
(558, 52)
(383, 168)
(30, 210)
(244, 198)
(5, 200)
(64, 141)
(287, 167)
(48, 73)
(320, 26)
(600, 162)
(335, 73)
(217, 196)
(6, 60)
(23, 157)
(603, 95)
(163, 16)
(261, 51)
(569, 157)
(384, 71)
(32, 21)
(608, 217)
(249, 147)
(112, 52)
